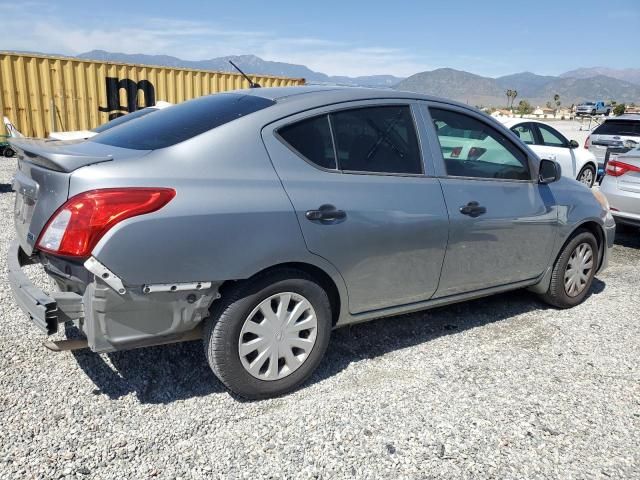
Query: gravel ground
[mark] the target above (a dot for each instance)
(502, 387)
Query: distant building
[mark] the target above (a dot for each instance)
(502, 113)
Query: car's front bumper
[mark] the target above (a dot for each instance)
(45, 311)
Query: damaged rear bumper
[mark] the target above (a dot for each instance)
(45, 311)
(112, 318)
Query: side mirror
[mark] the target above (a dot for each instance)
(573, 144)
(549, 171)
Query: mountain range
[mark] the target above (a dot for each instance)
(248, 63)
(536, 89)
(585, 84)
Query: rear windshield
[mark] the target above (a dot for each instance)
(619, 127)
(123, 119)
(181, 122)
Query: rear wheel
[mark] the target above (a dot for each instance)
(268, 334)
(587, 175)
(8, 152)
(573, 271)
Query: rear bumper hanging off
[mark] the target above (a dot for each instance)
(45, 311)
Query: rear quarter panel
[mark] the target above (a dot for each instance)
(230, 218)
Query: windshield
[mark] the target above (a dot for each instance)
(123, 119)
(181, 122)
(619, 127)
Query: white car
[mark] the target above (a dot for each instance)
(549, 143)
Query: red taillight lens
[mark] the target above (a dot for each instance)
(587, 142)
(615, 168)
(455, 152)
(475, 153)
(81, 222)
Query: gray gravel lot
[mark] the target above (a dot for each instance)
(502, 387)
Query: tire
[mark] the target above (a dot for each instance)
(557, 294)
(593, 112)
(587, 175)
(8, 152)
(232, 316)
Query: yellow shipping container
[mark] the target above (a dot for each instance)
(41, 93)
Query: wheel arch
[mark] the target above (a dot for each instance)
(334, 287)
(591, 226)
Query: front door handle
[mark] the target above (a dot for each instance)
(473, 209)
(326, 213)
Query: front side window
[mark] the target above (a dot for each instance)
(525, 132)
(550, 137)
(472, 148)
(377, 139)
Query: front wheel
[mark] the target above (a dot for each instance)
(268, 334)
(587, 175)
(573, 271)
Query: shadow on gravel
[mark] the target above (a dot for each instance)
(627, 237)
(168, 373)
(160, 374)
(5, 188)
(376, 338)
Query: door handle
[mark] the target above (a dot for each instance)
(326, 213)
(473, 209)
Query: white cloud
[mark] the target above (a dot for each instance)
(45, 32)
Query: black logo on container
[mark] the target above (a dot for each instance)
(132, 91)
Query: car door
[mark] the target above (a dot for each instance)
(363, 197)
(502, 222)
(552, 145)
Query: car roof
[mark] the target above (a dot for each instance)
(317, 95)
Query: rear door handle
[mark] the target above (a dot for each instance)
(473, 209)
(326, 213)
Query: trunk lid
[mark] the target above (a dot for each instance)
(42, 180)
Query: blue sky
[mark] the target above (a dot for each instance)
(490, 38)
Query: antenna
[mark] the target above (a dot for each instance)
(252, 84)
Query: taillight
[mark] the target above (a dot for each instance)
(587, 142)
(615, 168)
(475, 153)
(82, 221)
(455, 152)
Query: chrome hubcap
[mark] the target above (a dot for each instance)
(587, 177)
(578, 270)
(278, 336)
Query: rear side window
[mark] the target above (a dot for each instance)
(377, 139)
(619, 127)
(525, 132)
(181, 122)
(312, 139)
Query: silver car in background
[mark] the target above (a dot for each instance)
(614, 133)
(621, 186)
(261, 219)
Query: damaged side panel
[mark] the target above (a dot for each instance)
(138, 319)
